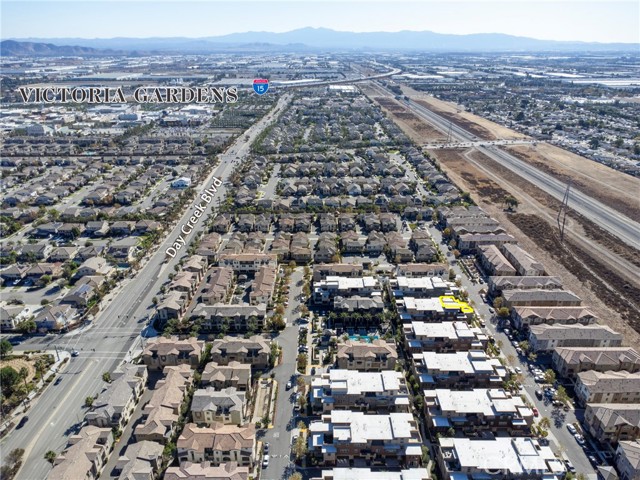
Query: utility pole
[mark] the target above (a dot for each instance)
(562, 213)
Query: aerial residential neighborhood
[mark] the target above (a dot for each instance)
(414, 264)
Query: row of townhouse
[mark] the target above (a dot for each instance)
(87, 451)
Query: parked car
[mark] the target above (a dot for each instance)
(266, 447)
(593, 460)
(289, 385)
(580, 439)
(536, 413)
(570, 466)
(572, 429)
(539, 394)
(265, 461)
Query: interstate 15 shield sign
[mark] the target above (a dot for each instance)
(260, 86)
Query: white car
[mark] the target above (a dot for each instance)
(265, 461)
(572, 429)
(518, 370)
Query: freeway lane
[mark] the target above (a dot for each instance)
(59, 411)
(608, 218)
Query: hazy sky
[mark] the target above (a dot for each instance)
(600, 21)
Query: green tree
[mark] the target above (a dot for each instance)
(27, 326)
(562, 395)
(549, 376)
(425, 455)
(24, 373)
(295, 476)
(106, 376)
(545, 423)
(300, 447)
(88, 402)
(511, 202)
(300, 382)
(504, 312)
(524, 345)
(302, 402)
(50, 456)
(5, 347)
(9, 377)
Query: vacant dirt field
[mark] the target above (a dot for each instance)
(17, 364)
(613, 188)
(483, 128)
(413, 126)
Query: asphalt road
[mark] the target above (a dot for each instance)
(279, 437)
(60, 410)
(608, 218)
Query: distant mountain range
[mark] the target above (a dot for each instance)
(16, 48)
(307, 39)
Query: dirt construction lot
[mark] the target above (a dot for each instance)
(481, 127)
(412, 125)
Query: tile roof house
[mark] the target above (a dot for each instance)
(523, 317)
(375, 356)
(235, 374)
(568, 361)
(544, 338)
(607, 387)
(217, 287)
(627, 460)
(210, 406)
(161, 413)
(115, 404)
(140, 461)
(613, 423)
(253, 351)
(207, 471)
(162, 352)
(85, 455)
(217, 444)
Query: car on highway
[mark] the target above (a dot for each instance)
(265, 461)
(75, 353)
(22, 421)
(58, 381)
(539, 394)
(572, 429)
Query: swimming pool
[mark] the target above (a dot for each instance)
(363, 338)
